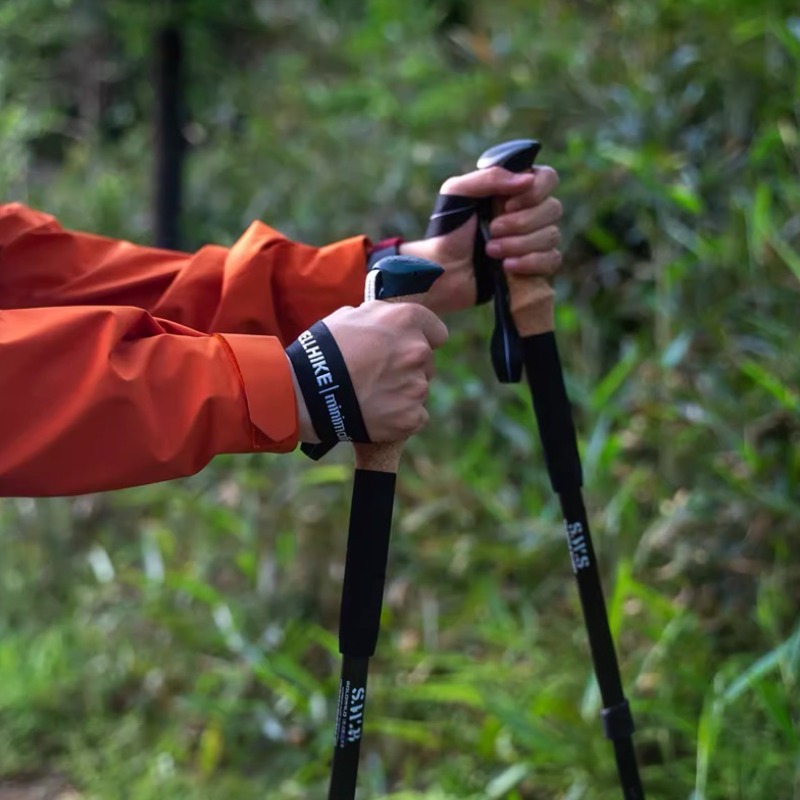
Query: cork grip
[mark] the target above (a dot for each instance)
(379, 457)
(532, 300)
(384, 456)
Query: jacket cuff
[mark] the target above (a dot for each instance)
(266, 378)
(384, 248)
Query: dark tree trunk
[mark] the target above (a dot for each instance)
(169, 141)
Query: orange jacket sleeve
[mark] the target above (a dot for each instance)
(122, 365)
(264, 284)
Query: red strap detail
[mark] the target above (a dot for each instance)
(385, 244)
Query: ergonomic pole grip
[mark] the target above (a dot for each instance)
(391, 280)
(532, 300)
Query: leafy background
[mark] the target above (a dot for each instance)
(179, 640)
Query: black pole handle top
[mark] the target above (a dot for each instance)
(396, 277)
(506, 349)
(517, 155)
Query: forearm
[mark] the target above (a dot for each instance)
(265, 284)
(98, 398)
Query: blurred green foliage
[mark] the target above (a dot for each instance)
(179, 640)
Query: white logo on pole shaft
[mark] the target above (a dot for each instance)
(355, 716)
(350, 714)
(578, 546)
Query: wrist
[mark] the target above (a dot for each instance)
(420, 248)
(382, 249)
(447, 294)
(305, 428)
(326, 397)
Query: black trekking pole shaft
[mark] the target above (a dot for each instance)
(349, 721)
(403, 279)
(530, 329)
(559, 442)
(359, 618)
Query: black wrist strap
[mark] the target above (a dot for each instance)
(451, 211)
(327, 389)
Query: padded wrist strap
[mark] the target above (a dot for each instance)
(326, 386)
(451, 211)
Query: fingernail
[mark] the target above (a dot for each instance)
(494, 249)
(511, 263)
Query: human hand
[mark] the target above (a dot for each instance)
(525, 235)
(388, 350)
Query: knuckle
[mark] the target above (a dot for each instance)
(550, 177)
(401, 315)
(543, 263)
(556, 207)
(514, 224)
(371, 312)
(423, 418)
(421, 315)
(420, 351)
(420, 388)
(553, 236)
(414, 419)
(414, 353)
(407, 424)
(554, 261)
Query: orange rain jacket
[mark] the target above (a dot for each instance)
(122, 365)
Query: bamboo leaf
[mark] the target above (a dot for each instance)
(788, 398)
(501, 785)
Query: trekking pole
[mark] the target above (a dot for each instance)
(393, 279)
(524, 334)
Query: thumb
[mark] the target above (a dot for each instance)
(488, 182)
